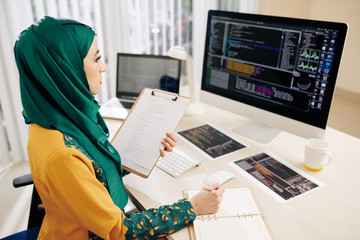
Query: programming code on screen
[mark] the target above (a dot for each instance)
(271, 66)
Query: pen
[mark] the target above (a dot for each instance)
(207, 188)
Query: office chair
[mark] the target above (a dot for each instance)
(36, 215)
(37, 212)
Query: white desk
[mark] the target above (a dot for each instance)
(330, 212)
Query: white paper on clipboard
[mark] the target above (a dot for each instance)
(139, 138)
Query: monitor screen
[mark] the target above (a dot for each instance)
(136, 72)
(285, 66)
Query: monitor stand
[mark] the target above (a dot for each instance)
(257, 131)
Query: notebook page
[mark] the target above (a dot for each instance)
(238, 218)
(232, 228)
(236, 201)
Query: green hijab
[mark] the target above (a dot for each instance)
(55, 92)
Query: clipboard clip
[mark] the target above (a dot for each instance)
(174, 99)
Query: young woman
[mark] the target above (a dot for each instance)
(76, 171)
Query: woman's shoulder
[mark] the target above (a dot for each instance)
(48, 148)
(43, 140)
(47, 143)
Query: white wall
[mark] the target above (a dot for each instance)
(347, 11)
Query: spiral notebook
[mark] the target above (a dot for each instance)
(138, 140)
(239, 217)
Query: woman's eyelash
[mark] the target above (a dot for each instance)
(98, 58)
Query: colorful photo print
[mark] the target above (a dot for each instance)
(211, 141)
(282, 180)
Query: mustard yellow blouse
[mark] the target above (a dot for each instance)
(76, 202)
(67, 190)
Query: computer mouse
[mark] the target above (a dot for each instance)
(219, 177)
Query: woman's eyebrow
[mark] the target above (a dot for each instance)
(97, 52)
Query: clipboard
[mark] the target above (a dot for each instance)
(138, 140)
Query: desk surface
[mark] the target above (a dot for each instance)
(330, 212)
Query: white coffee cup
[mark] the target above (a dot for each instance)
(317, 154)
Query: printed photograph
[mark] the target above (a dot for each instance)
(282, 180)
(211, 141)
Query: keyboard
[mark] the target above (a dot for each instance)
(126, 104)
(176, 163)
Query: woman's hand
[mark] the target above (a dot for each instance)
(207, 202)
(168, 142)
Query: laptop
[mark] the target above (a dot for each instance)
(136, 72)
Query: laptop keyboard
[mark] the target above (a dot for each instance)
(126, 104)
(176, 163)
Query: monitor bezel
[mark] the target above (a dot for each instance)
(216, 97)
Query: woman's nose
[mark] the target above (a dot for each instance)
(103, 68)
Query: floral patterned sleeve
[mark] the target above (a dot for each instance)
(159, 222)
(150, 224)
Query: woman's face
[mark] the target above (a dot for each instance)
(94, 67)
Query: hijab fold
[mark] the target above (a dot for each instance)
(55, 92)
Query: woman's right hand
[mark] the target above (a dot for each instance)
(207, 202)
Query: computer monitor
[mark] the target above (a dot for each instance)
(279, 72)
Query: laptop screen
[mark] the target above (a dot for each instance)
(135, 72)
